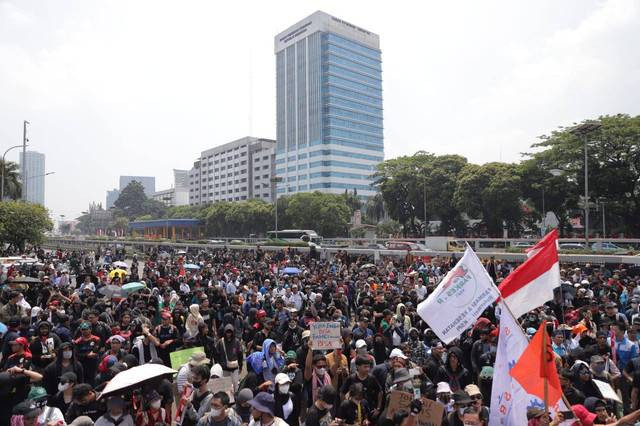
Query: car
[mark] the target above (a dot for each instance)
(215, 242)
(522, 244)
(571, 246)
(604, 246)
(376, 246)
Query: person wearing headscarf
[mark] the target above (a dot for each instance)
(267, 362)
(193, 319)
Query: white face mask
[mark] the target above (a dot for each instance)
(284, 389)
(215, 412)
(63, 386)
(321, 371)
(156, 404)
(67, 354)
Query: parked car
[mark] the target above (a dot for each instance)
(604, 246)
(402, 245)
(523, 244)
(376, 246)
(571, 246)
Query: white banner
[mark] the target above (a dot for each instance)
(509, 402)
(460, 298)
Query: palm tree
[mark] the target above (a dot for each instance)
(12, 185)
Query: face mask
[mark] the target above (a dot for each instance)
(443, 356)
(63, 386)
(321, 371)
(284, 389)
(292, 326)
(67, 354)
(461, 411)
(116, 416)
(598, 368)
(156, 404)
(362, 350)
(215, 412)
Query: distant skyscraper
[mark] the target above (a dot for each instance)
(328, 106)
(112, 196)
(181, 179)
(34, 168)
(148, 182)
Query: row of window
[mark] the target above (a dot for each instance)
(332, 100)
(348, 62)
(360, 116)
(345, 154)
(353, 125)
(336, 163)
(352, 45)
(351, 144)
(353, 75)
(333, 49)
(374, 90)
(339, 175)
(352, 94)
(349, 134)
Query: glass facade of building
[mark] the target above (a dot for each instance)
(329, 107)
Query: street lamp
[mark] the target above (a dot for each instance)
(4, 165)
(582, 131)
(44, 174)
(276, 180)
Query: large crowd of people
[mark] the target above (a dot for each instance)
(72, 328)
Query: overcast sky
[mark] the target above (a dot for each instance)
(141, 87)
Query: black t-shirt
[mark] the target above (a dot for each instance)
(317, 417)
(17, 392)
(348, 411)
(370, 387)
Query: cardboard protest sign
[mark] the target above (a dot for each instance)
(223, 384)
(607, 391)
(325, 335)
(180, 358)
(431, 414)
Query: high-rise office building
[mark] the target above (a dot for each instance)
(148, 182)
(112, 196)
(33, 187)
(328, 106)
(178, 194)
(236, 171)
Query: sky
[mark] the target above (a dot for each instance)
(137, 87)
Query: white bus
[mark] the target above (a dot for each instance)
(296, 235)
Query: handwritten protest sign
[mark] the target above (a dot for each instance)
(607, 391)
(431, 414)
(223, 384)
(180, 358)
(325, 335)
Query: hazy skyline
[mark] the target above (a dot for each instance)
(142, 87)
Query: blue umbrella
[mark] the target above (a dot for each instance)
(133, 287)
(191, 266)
(291, 271)
(3, 328)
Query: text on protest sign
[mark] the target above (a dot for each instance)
(431, 414)
(180, 358)
(222, 384)
(325, 335)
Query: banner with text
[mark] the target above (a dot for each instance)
(325, 335)
(460, 298)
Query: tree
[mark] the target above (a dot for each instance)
(388, 228)
(12, 185)
(327, 214)
(491, 192)
(374, 209)
(614, 167)
(22, 223)
(132, 200)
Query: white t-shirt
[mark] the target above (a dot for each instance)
(55, 415)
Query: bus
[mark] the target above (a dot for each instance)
(296, 235)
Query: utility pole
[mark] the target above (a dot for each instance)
(24, 160)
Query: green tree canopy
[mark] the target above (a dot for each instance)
(22, 223)
(12, 185)
(132, 200)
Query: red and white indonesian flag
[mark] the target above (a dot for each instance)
(460, 298)
(531, 284)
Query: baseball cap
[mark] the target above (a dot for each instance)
(360, 344)
(306, 334)
(397, 353)
(291, 355)
(282, 378)
(472, 390)
(443, 387)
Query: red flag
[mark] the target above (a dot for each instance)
(537, 363)
(532, 283)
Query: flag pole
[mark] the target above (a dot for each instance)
(543, 356)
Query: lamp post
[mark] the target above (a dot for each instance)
(582, 131)
(4, 165)
(276, 180)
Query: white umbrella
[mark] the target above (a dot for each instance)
(120, 264)
(135, 377)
